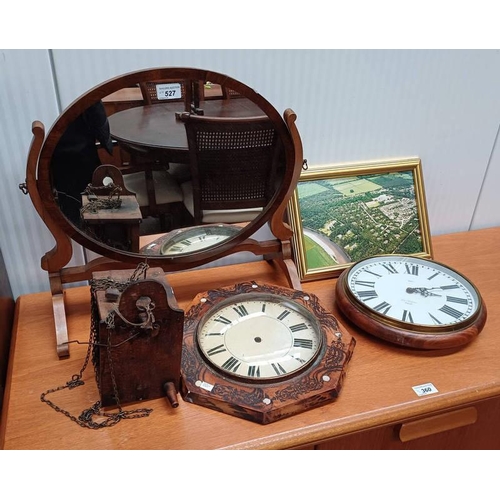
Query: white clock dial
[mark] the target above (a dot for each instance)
(413, 290)
(190, 240)
(197, 238)
(259, 337)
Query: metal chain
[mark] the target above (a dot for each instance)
(95, 203)
(86, 418)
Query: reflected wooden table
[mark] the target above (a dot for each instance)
(377, 407)
(155, 127)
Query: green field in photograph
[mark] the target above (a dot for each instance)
(316, 257)
(307, 189)
(356, 186)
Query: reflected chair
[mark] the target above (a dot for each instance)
(229, 93)
(234, 164)
(152, 95)
(158, 194)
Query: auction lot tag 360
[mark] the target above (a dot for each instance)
(424, 389)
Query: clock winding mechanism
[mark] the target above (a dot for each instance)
(139, 337)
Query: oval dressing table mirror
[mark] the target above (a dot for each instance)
(124, 173)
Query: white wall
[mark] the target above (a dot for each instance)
(352, 105)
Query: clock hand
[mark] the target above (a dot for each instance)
(423, 291)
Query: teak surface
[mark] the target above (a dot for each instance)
(377, 389)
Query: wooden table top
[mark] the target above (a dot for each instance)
(377, 389)
(155, 126)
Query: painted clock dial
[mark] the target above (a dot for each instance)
(411, 301)
(259, 337)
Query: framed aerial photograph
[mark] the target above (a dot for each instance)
(344, 213)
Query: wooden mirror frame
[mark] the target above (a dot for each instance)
(39, 186)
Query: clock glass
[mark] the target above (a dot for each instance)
(413, 291)
(259, 336)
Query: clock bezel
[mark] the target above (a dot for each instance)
(405, 333)
(301, 307)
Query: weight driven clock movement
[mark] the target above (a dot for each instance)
(411, 301)
(262, 352)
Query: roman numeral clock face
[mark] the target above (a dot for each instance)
(259, 338)
(411, 301)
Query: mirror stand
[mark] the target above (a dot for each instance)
(54, 261)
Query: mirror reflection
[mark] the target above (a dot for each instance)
(139, 169)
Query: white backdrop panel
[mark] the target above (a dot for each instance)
(26, 94)
(355, 105)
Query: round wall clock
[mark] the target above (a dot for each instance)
(190, 239)
(262, 352)
(411, 301)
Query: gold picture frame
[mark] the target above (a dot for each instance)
(337, 219)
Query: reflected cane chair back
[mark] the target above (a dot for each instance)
(233, 168)
(229, 93)
(150, 93)
(189, 92)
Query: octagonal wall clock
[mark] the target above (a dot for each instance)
(262, 352)
(412, 302)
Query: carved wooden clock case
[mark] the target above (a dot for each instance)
(262, 352)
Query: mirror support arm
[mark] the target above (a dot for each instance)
(277, 223)
(54, 260)
(62, 252)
